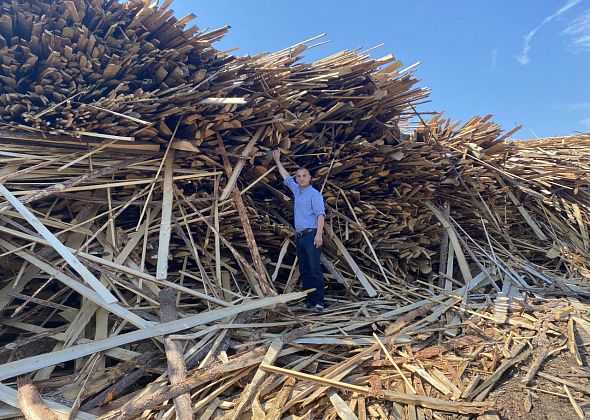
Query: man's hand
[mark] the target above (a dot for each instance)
(276, 155)
(318, 240)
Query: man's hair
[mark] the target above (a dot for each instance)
(301, 168)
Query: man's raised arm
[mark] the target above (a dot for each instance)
(276, 155)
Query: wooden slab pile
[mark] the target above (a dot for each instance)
(148, 256)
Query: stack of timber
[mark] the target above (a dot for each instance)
(148, 264)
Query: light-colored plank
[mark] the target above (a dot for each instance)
(34, 363)
(574, 403)
(395, 396)
(251, 389)
(342, 409)
(88, 277)
(223, 101)
(240, 165)
(87, 292)
(455, 241)
(166, 219)
(351, 262)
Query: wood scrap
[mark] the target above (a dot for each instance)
(30, 402)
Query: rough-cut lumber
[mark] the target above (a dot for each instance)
(166, 224)
(59, 247)
(10, 396)
(355, 268)
(30, 402)
(176, 364)
(145, 152)
(246, 397)
(426, 402)
(199, 376)
(38, 362)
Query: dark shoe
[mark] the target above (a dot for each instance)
(307, 306)
(318, 309)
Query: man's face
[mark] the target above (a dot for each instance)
(302, 177)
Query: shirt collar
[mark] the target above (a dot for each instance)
(301, 191)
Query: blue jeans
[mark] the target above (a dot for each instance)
(309, 268)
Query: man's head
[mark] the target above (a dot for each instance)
(302, 177)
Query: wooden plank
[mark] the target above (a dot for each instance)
(342, 409)
(275, 411)
(218, 275)
(166, 219)
(88, 277)
(210, 410)
(579, 387)
(87, 292)
(375, 257)
(574, 403)
(176, 364)
(456, 245)
(525, 214)
(34, 363)
(9, 396)
(351, 262)
(409, 385)
(104, 136)
(571, 340)
(237, 169)
(418, 400)
(246, 398)
(429, 378)
(282, 254)
(223, 101)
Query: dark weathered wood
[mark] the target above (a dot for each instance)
(519, 356)
(129, 375)
(265, 285)
(198, 377)
(57, 188)
(176, 363)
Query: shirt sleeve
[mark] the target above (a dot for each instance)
(317, 203)
(290, 182)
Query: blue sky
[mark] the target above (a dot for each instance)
(524, 61)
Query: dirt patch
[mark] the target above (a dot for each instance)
(537, 401)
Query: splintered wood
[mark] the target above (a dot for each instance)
(148, 260)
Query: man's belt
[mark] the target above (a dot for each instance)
(304, 232)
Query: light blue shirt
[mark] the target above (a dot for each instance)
(309, 204)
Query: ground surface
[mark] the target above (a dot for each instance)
(511, 397)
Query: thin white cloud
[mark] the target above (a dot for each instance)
(573, 107)
(579, 31)
(523, 57)
(494, 59)
(579, 106)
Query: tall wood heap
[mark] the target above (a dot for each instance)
(146, 244)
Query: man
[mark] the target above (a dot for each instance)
(309, 225)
